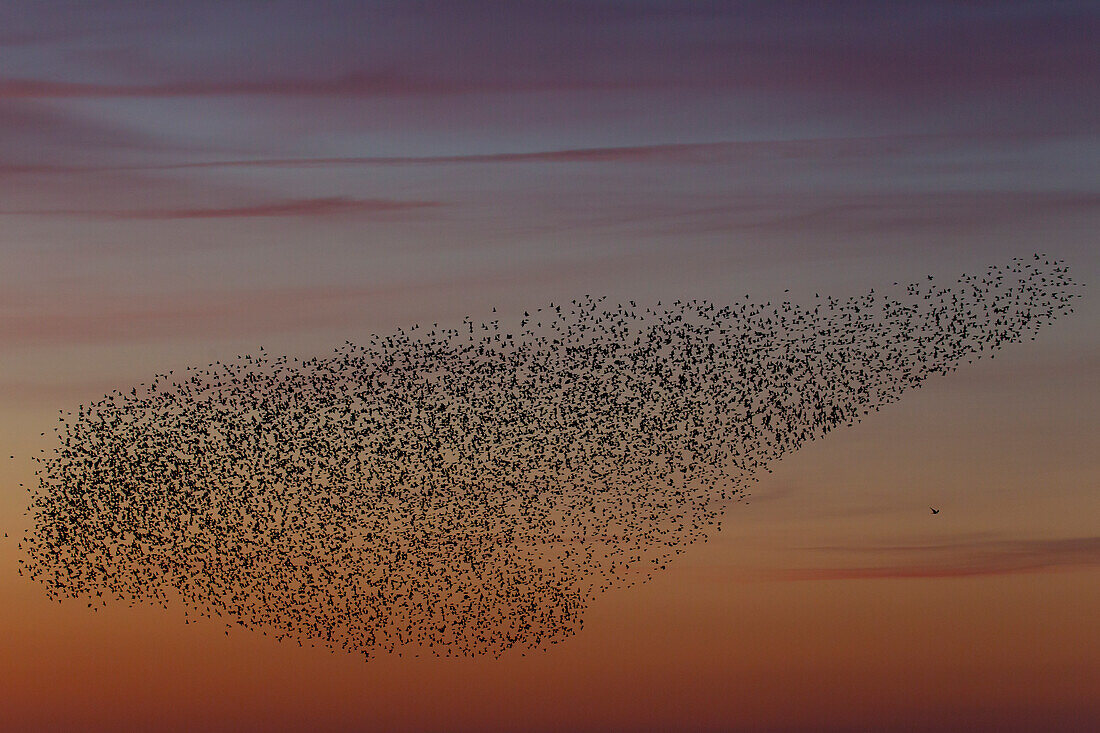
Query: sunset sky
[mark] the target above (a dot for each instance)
(189, 180)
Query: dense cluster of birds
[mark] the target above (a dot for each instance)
(462, 491)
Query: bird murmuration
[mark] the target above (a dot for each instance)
(462, 491)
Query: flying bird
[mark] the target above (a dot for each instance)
(469, 490)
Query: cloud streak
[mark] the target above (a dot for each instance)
(695, 152)
(960, 560)
(302, 207)
(675, 153)
(347, 85)
(731, 47)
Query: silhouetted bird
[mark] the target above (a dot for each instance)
(467, 490)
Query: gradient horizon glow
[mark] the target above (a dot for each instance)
(186, 181)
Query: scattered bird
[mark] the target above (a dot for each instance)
(469, 490)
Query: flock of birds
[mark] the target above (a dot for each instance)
(464, 491)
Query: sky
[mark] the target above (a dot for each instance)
(181, 181)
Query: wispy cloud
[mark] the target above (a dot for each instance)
(330, 206)
(563, 46)
(676, 153)
(347, 85)
(32, 133)
(956, 560)
(697, 152)
(849, 212)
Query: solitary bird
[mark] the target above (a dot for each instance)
(934, 510)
